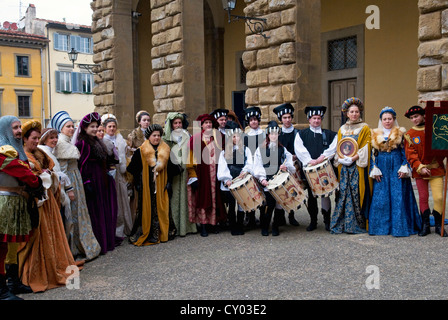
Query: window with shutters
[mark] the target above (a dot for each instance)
(74, 82)
(61, 42)
(65, 42)
(63, 81)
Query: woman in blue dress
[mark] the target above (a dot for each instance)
(393, 210)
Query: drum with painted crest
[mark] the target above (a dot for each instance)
(287, 191)
(247, 193)
(321, 179)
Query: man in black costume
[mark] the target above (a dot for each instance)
(312, 146)
(285, 114)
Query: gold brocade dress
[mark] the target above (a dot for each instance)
(44, 260)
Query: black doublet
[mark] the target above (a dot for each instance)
(278, 156)
(237, 162)
(287, 140)
(252, 142)
(316, 143)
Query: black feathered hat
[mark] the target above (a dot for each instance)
(315, 111)
(283, 109)
(252, 111)
(232, 127)
(218, 113)
(272, 127)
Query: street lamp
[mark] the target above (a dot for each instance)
(73, 56)
(255, 24)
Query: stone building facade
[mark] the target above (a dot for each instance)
(181, 61)
(432, 76)
(280, 66)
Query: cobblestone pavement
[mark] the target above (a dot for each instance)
(297, 265)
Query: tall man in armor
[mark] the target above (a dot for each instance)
(285, 114)
(312, 146)
(18, 186)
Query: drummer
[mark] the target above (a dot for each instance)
(312, 146)
(269, 158)
(285, 114)
(235, 161)
(221, 117)
(253, 137)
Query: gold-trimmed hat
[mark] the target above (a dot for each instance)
(31, 124)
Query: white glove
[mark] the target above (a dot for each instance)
(346, 161)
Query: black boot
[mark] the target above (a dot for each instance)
(282, 219)
(204, 232)
(5, 294)
(426, 226)
(438, 224)
(313, 223)
(292, 220)
(265, 220)
(327, 219)
(240, 222)
(232, 222)
(278, 214)
(14, 284)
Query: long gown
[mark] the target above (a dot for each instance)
(179, 198)
(82, 240)
(394, 209)
(101, 195)
(44, 260)
(149, 168)
(125, 219)
(352, 206)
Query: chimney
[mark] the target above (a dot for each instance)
(30, 16)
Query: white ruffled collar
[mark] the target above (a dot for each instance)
(288, 130)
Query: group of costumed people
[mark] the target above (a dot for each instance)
(69, 194)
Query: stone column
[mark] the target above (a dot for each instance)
(283, 68)
(113, 51)
(432, 75)
(167, 58)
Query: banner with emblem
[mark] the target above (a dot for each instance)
(436, 129)
(436, 137)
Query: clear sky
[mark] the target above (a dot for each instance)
(74, 11)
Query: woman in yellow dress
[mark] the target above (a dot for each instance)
(149, 169)
(355, 186)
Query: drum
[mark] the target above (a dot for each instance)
(287, 191)
(321, 179)
(247, 193)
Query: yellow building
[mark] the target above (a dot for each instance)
(22, 75)
(70, 84)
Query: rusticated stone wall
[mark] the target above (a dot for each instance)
(282, 68)
(113, 52)
(167, 58)
(286, 67)
(432, 76)
(272, 63)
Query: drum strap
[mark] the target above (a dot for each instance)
(324, 138)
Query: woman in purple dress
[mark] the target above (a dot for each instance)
(99, 186)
